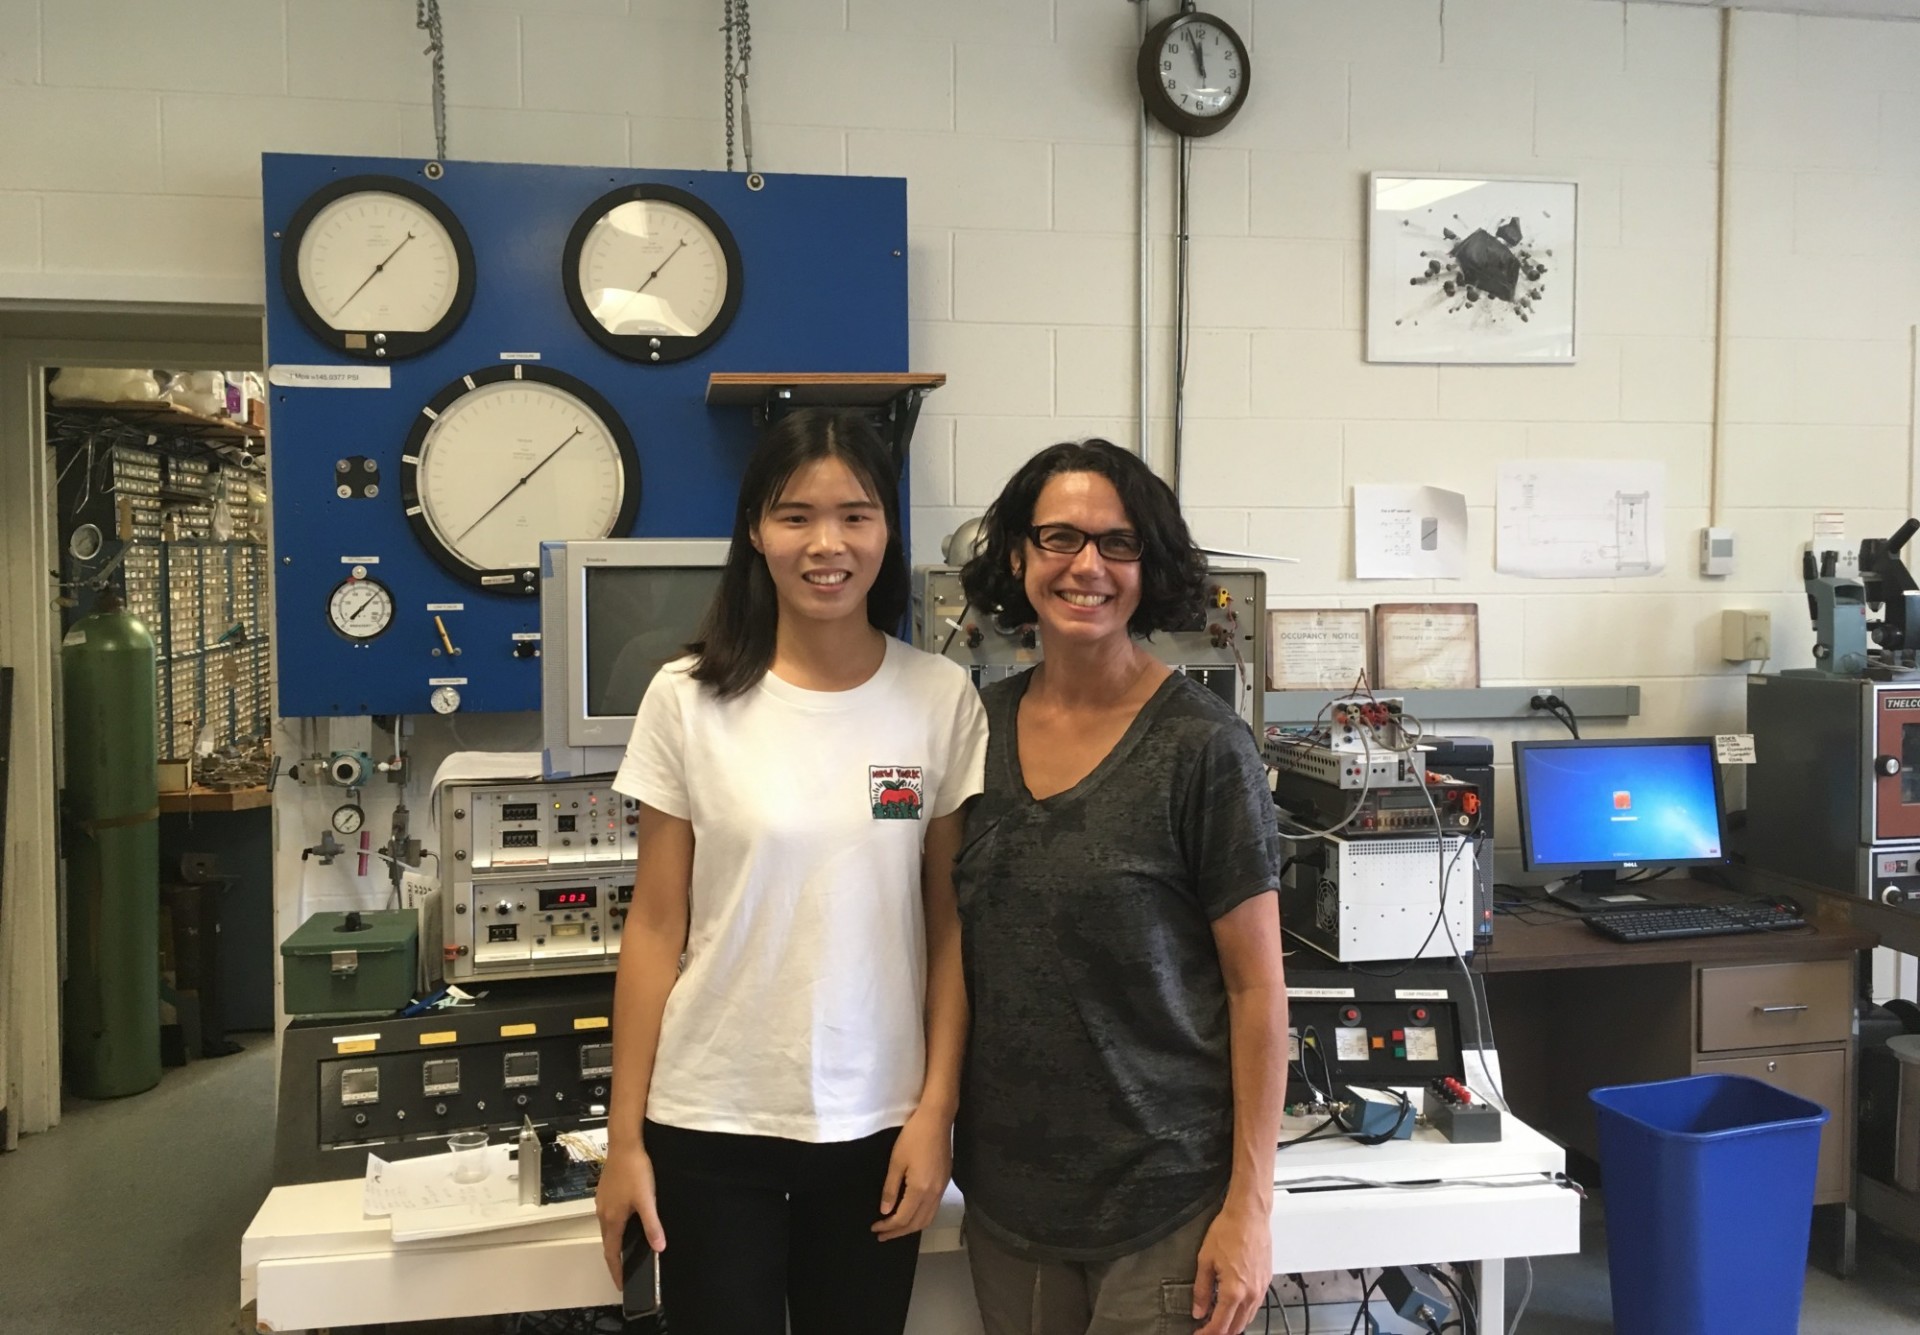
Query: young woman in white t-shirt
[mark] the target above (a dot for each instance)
(783, 1097)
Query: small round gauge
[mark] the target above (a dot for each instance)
(360, 608)
(86, 542)
(510, 457)
(348, 818)
(377, 267)
(652, 273)
(444, 699)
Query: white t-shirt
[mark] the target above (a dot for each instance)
(800, 1011)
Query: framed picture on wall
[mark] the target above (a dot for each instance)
(1317, 649)
(1470, 269)
(1427, 646)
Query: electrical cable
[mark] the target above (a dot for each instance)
(1366, 1307)
(1521, 1310)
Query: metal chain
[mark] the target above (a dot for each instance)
(427, 18)
(739, 34)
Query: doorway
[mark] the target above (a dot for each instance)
(34, 337)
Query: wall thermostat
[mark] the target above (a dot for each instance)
(1716, 551)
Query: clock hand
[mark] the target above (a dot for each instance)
(378, 269)
(1199, 56)
(516, 486)
(663, 264)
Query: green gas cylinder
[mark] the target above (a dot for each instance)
(110, 1012)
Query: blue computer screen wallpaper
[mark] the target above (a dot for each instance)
(1606, 804)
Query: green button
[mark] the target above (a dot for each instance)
(1399, 1052)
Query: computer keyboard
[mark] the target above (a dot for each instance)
(1665, 921)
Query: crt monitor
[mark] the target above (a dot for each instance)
(611, 613)
(1602, 807)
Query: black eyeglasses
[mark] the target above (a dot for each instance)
(1066, 540)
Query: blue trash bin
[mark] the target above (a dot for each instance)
(1709, 1199)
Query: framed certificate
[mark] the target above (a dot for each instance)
(1427, 646)
(1316, 649)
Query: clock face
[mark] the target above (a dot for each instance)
(377, 267)
(652, 273)
(1200, 68)
(508, 458)
(1194, 73)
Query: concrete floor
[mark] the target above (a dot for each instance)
(126, 1220)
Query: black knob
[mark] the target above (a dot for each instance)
(1887, 765)
(525, 649)
(440, 1109)
(520, 1099)
(359, 1119)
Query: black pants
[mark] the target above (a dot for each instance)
(762, 1230)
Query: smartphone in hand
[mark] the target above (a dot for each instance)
(640, 1272)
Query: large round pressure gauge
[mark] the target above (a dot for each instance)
(377, 267)
(510, 457)
(652, 273)
(360, 609)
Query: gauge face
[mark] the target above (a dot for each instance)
(652, 273)
(348, 819)
(444, 699)
(377, 267)
(508, 458)
(360, 609)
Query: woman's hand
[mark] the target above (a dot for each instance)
(626, 1190)
(917, 1174)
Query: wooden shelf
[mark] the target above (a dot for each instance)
(202, 800)
(170, 417)
(750, 389)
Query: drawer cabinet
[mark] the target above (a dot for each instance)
(1776, 1005)
(1820, 1077)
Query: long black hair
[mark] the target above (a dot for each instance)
(736, 640)
(1173, 571)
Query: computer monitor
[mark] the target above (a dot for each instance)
(611, 613)
(1602, 807)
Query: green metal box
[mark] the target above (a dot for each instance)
(351, 963)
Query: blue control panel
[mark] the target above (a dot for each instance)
(821, 281)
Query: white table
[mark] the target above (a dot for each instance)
(311, 1260)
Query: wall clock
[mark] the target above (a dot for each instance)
(1194, 73)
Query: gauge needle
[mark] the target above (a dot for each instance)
(365, 603)
(378, 269)
(663, 264)
(521, 483)
(1199, 58)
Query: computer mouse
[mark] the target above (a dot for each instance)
(1788, 904)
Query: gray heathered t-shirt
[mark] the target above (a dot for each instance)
(1096, 1111)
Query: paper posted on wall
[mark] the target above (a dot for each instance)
(1409, 533)
(1581, 518)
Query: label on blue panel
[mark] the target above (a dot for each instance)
(446, 681)
(526, 635)
(359, 560)
(446, 607)
(519, 356)
(330, 377)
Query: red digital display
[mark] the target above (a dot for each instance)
(568, 899)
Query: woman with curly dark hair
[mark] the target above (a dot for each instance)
(1120, 935)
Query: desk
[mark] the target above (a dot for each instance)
(1573, 1011)
(309, 1258)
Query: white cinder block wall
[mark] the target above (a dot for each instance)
(130, 134)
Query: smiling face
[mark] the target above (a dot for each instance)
(823, 538)
(1082, 598)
